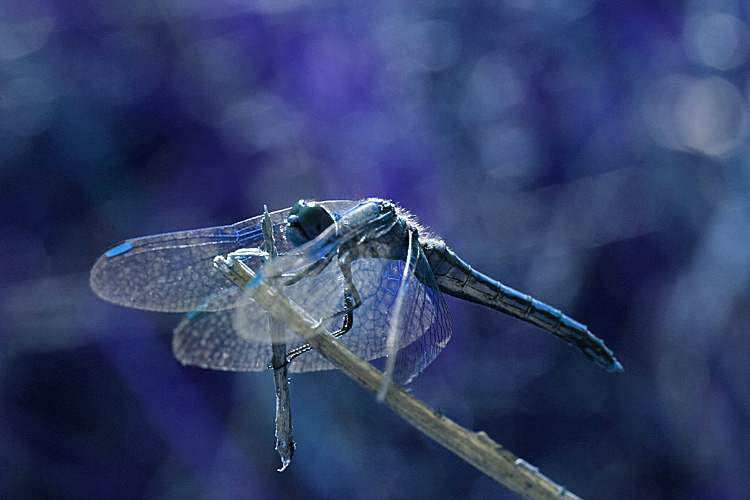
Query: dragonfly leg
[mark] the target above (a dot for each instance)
(352, 301)
(345, 327)
(309, 271)
(349, 288)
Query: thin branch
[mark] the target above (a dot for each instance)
(284, 438)
(476, 448)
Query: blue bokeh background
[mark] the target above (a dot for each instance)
(591, 153)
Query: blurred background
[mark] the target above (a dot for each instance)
(591, 153)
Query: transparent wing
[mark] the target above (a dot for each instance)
(416, 352)
(238, 340)
(174, 272)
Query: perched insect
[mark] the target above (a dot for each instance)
(357, 265)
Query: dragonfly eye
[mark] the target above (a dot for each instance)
(306, 221)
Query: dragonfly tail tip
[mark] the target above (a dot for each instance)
(615, 366)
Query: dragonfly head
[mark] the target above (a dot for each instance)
(306, 221)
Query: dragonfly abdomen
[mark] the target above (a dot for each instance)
(457, 278)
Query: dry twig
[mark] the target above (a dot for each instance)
(476, 448)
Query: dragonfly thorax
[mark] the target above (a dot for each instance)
(380, 232)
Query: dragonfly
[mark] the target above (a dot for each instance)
(343, 261)
(366, 269)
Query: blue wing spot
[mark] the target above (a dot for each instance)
(119, 249)
(198, 310)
